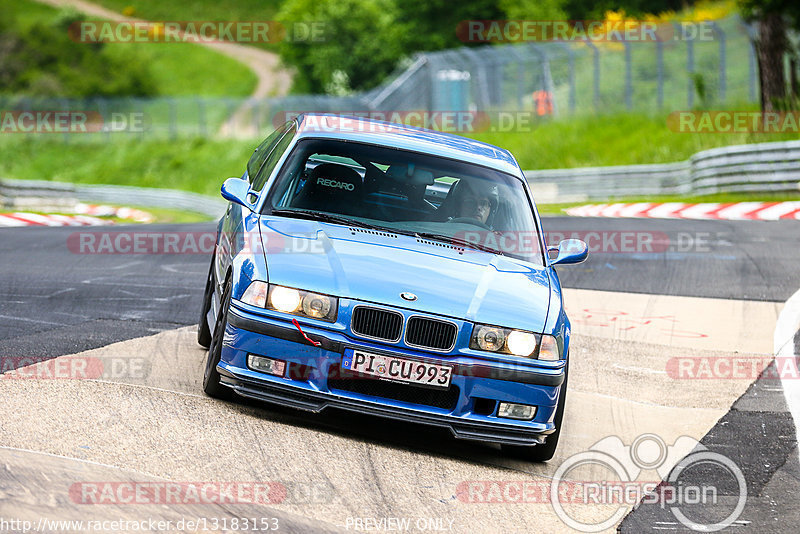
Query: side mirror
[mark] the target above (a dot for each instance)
(569, 251)
(236, 190)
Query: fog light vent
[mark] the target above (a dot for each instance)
(483, 406)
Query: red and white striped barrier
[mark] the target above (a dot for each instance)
(35, 219)
(751, 211)
(112, 211)
(87, 215)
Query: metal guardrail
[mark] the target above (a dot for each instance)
(33, 193)
(761, 167)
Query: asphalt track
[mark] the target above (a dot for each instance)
(710, 288)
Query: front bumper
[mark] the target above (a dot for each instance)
(468, 409)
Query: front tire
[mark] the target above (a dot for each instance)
(211, 379)
(203, 331)
(545, 452)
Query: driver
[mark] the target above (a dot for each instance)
(478, 201)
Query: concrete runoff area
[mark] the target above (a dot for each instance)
(144, 414)
(33, 482)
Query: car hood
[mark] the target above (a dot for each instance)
(377, 267)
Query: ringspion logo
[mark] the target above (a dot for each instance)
(612, 477)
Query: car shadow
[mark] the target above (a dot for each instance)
(403, 435)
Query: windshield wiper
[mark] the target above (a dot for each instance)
(321, 216)
(338, 219)
(458, 241)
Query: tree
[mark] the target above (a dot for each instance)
(773, 18)
(431, 24)
(42, 61)
(358, 44)
(364, 40)
(595, 9)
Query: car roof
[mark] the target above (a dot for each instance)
(365, 130)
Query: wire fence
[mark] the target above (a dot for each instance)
(713, 65)
(543, 78)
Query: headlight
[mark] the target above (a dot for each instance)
(284, 299)
(515, 342)
(521, 343)
(318, 306)
(303, 303)
(490, 338)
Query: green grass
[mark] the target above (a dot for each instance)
(170, 216)
(188, 164)
(178, 69)
(199, 10)
(619, 139)
(184, 69)
(26, 13)
(160, 215)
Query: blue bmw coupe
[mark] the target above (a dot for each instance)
(392, 271)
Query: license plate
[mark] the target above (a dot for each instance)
(397, 369)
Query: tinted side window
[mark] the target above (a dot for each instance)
(257, 183)
(263, 151)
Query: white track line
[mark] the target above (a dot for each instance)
(785, 329)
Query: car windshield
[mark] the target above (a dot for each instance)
(407, 192)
